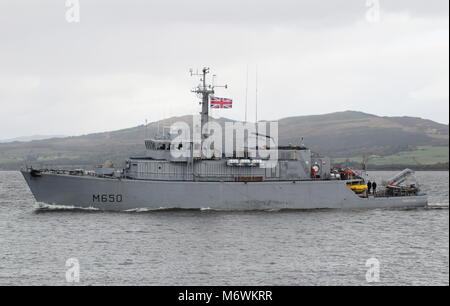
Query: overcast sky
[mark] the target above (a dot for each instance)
(128, 61)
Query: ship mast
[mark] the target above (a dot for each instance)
(204, 91)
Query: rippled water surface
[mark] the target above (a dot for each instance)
(224, 248)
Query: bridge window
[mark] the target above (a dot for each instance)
(150, 145)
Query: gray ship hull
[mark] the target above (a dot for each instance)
(124, 195)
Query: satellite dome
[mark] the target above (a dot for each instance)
(108, 164)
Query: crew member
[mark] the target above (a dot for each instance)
(369, 187)
(374, 188)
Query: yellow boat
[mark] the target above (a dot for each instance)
(358, 188)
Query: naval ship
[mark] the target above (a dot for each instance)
(162, 179)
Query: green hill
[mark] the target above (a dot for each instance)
(345, 136)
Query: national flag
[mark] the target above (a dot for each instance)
(221, 102)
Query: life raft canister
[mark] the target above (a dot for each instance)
(314, 170)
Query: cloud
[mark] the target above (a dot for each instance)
(127, 62)
(435, 91)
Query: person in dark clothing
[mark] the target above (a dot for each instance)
(369, 186)
(374, 188)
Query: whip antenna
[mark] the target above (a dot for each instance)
(256, 99)
(246, 95)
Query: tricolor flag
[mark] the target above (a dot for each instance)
(221, 102)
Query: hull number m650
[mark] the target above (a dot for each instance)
(107, 198)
